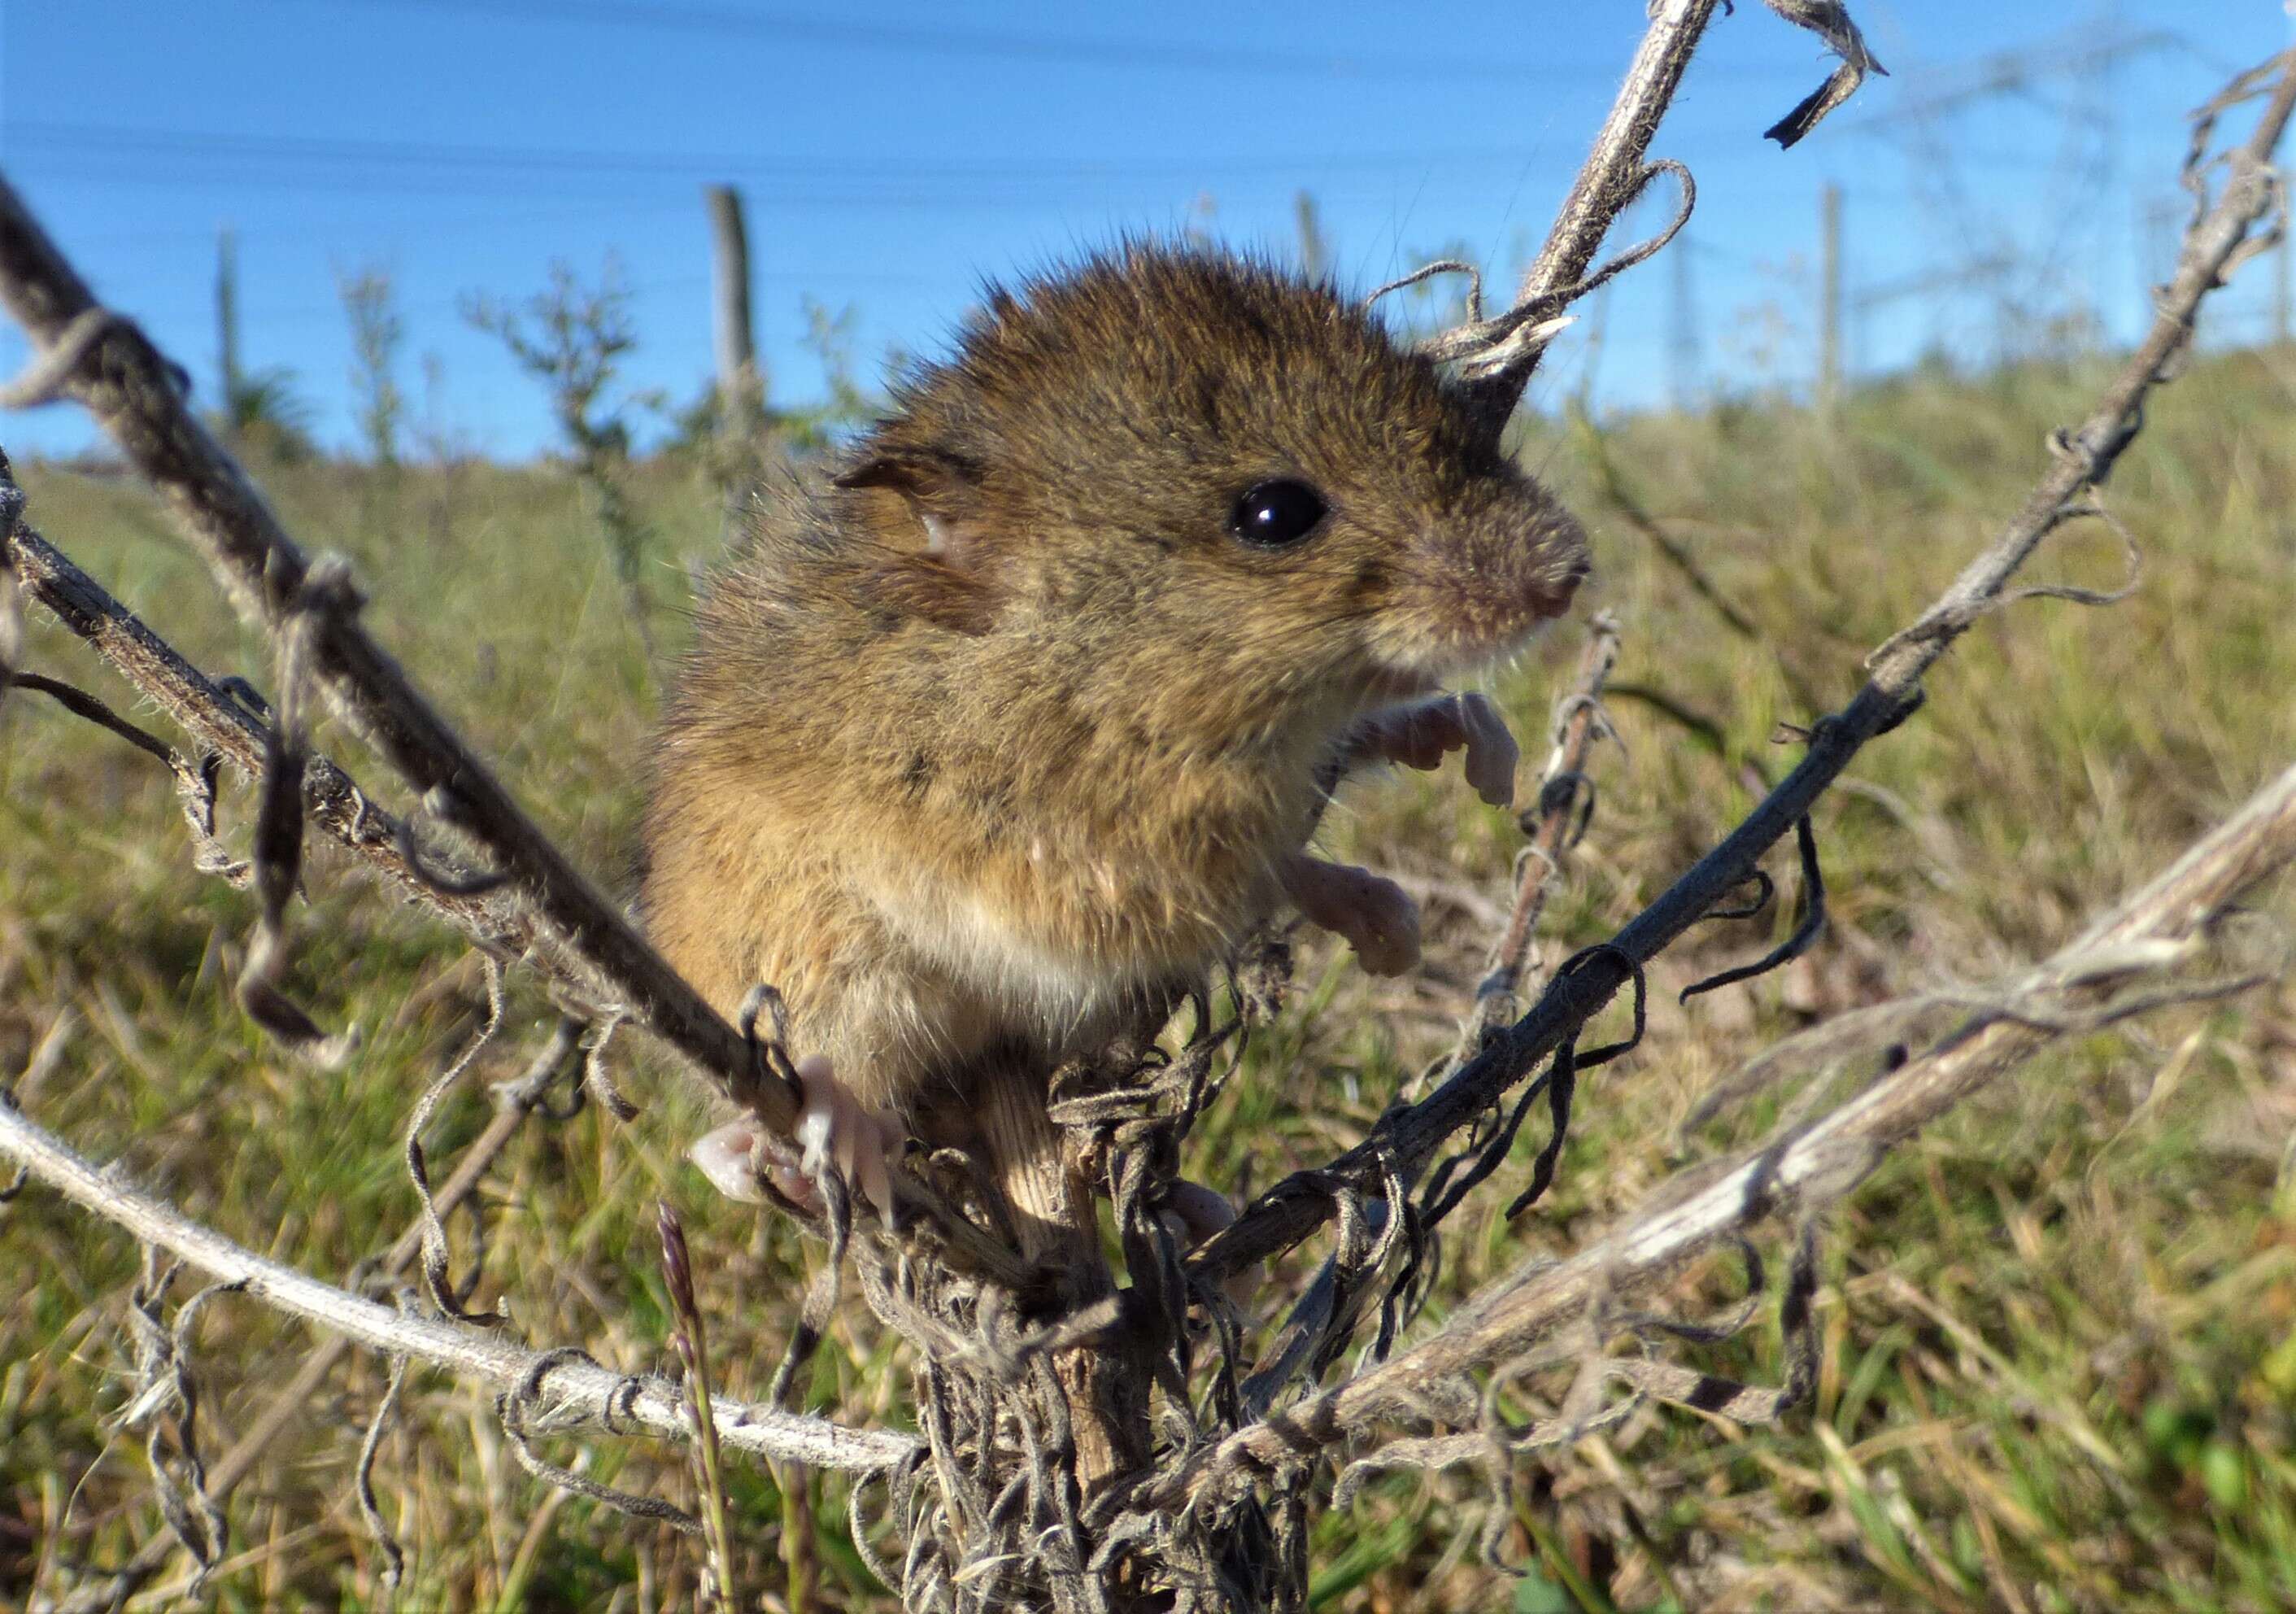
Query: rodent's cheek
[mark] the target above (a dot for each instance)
(1413, 646)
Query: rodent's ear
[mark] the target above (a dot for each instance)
(910, 473)
(940, 491)
(944, 579)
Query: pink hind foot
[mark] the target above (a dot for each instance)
(833, 1132)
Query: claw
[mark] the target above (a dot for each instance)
(1375, 916)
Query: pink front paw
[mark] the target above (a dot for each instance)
(1374, 916)
(727, 1155)
(1420, 736)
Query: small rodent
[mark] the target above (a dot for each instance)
(1022, 720)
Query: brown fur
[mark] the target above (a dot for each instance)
(1004, 733)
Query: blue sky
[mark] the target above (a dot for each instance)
(893, 156)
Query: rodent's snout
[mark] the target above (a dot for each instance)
(1479, 589)
(1573, 566)
(1541, 567)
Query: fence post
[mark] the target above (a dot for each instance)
(740, 384)
(227, 374)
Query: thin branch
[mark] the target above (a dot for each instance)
(1616, 173)
(1555, 821)
(517, 1099)
(80, 704)
(11, 588)
(1816, 1165)
(580, 1394)
(2081, 459)
(134, 392)
(223, 725)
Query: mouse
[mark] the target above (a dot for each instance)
(1004, 728)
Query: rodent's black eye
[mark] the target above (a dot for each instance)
(1273, 515)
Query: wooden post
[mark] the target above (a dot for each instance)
(740, 384)
(1315, 255)
(227, 375)
(1829, 337)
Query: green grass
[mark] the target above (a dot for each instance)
(2058, 1368)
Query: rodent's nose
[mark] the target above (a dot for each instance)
(1566, 587)
(1562, 564)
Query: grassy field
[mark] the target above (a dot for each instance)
(2059, 1333)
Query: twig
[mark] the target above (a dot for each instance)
(11, 588)
(2081, 459)
(1616, 172)
(223, 726)
(443, 1291)
(519, 1099)
(134, 394)
(1555, 820)
(80, 704)
(1815, 1166)
(581, 1393)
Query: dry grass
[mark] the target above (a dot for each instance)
(2057, 1368)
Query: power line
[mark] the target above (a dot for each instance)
(1289, 59)
(92, 139)
(1066, 198)
(429, 223)
(827, 285)
(131, 155)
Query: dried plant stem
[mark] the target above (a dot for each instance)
(2081, 459)
(1499, 355)
(1813, 1166)
(692, 1339)
(111, 366)
(219, 723)
(1613, 174)
(1052, 1209)
(579, 1392)
(1556, 819)
(294, 1399)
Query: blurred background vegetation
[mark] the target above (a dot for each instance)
(2058, 1334)
(2058, 1364)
